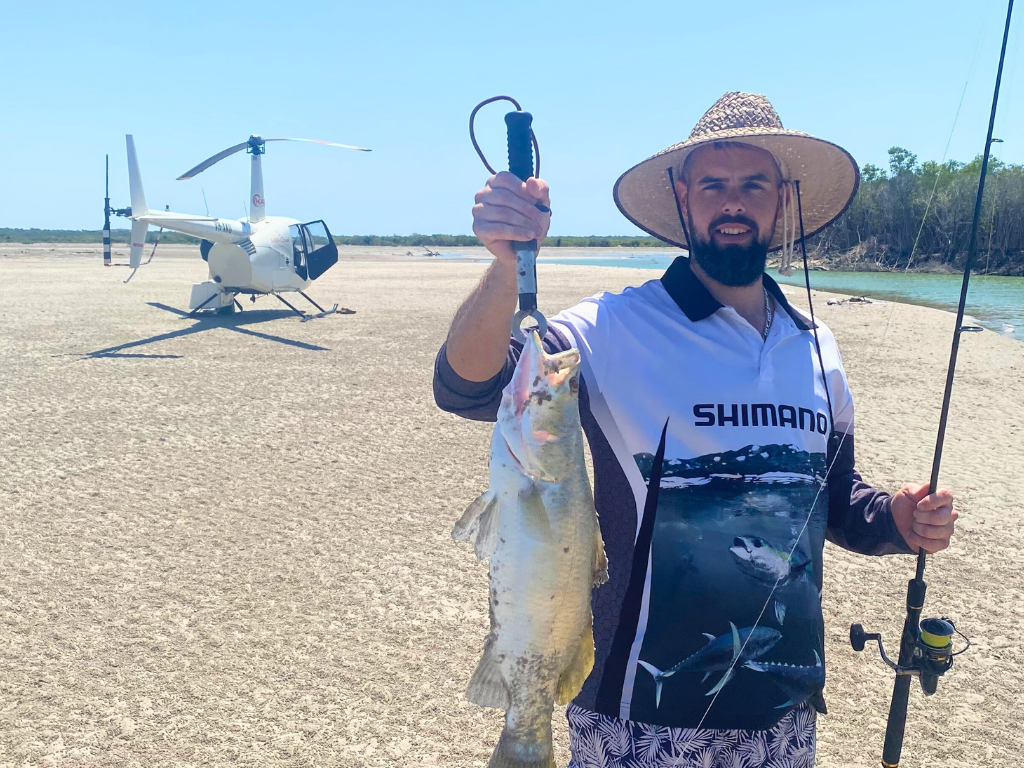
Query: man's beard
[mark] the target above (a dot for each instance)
(733, 265)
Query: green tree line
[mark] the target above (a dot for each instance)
(919, 214)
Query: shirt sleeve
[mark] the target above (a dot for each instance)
(479, 400)
(859, 515)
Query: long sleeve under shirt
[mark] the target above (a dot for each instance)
(694, 557)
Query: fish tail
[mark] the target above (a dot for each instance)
(511, 753)
(659, 680)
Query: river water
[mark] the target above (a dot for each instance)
(997, 303)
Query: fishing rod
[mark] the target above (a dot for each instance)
(522, 145)
(926, 647)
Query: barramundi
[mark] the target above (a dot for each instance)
(538, 525)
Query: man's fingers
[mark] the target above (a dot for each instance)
(915, 541)
(935, 500)
(926, 531)
(535, 192)
(916, 491)
(538, 188)
(940, 516)
(498, 214)
(492, 230)
(503, 198)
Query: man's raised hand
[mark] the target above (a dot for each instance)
(506, 209)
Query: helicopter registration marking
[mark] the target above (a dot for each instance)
(223, 226)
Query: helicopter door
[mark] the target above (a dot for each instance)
(322, 253)
(300, 249)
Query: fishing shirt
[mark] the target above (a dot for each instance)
(722, 463)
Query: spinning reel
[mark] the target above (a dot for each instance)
(931, 652)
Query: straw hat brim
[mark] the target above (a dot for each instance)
(827, 173)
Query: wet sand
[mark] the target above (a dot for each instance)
(226, 541)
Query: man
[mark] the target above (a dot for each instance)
(714, 411)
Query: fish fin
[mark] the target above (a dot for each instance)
(600, 561)
(487, 686)
(659, 679)
(785, 704)
(706, 676)
(735, 656)
(572, 678)
(708, 635)
(721, 683)
(509, 754)
(535, 515)
(477, 524)
(780, 612)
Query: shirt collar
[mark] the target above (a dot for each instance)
(697, 302)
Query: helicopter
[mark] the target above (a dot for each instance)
(258, 255)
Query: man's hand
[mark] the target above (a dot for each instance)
(925, 521)
(506, 209)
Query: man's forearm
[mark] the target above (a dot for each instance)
(478, 340)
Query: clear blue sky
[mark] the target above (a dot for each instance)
(609, 84)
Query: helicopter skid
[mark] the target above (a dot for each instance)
(332, 311)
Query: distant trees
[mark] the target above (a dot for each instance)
(920, 214)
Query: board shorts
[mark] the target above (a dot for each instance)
(600, 741)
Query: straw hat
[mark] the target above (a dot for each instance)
(828, 175)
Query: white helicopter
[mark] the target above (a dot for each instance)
(255, 256)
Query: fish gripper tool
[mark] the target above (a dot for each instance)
(520, 163)
(522, 144)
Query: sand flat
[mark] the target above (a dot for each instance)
(226, 541)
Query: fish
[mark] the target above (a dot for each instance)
(796, 681)
(723, 653)
(766, 563)
(538, 526)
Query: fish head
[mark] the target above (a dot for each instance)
(746, 547)
(539, 414)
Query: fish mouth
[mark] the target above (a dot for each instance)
(738, 543)
(531, 473)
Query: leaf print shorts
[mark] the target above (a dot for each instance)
(599, 741)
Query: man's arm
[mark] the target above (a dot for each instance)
(866, 520)
(505, 210)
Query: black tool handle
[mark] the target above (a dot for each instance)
(520, 148)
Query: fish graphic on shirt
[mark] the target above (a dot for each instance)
(766, 563)
(722, 654)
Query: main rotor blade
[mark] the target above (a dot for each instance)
(327, 143)
(211, 160)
